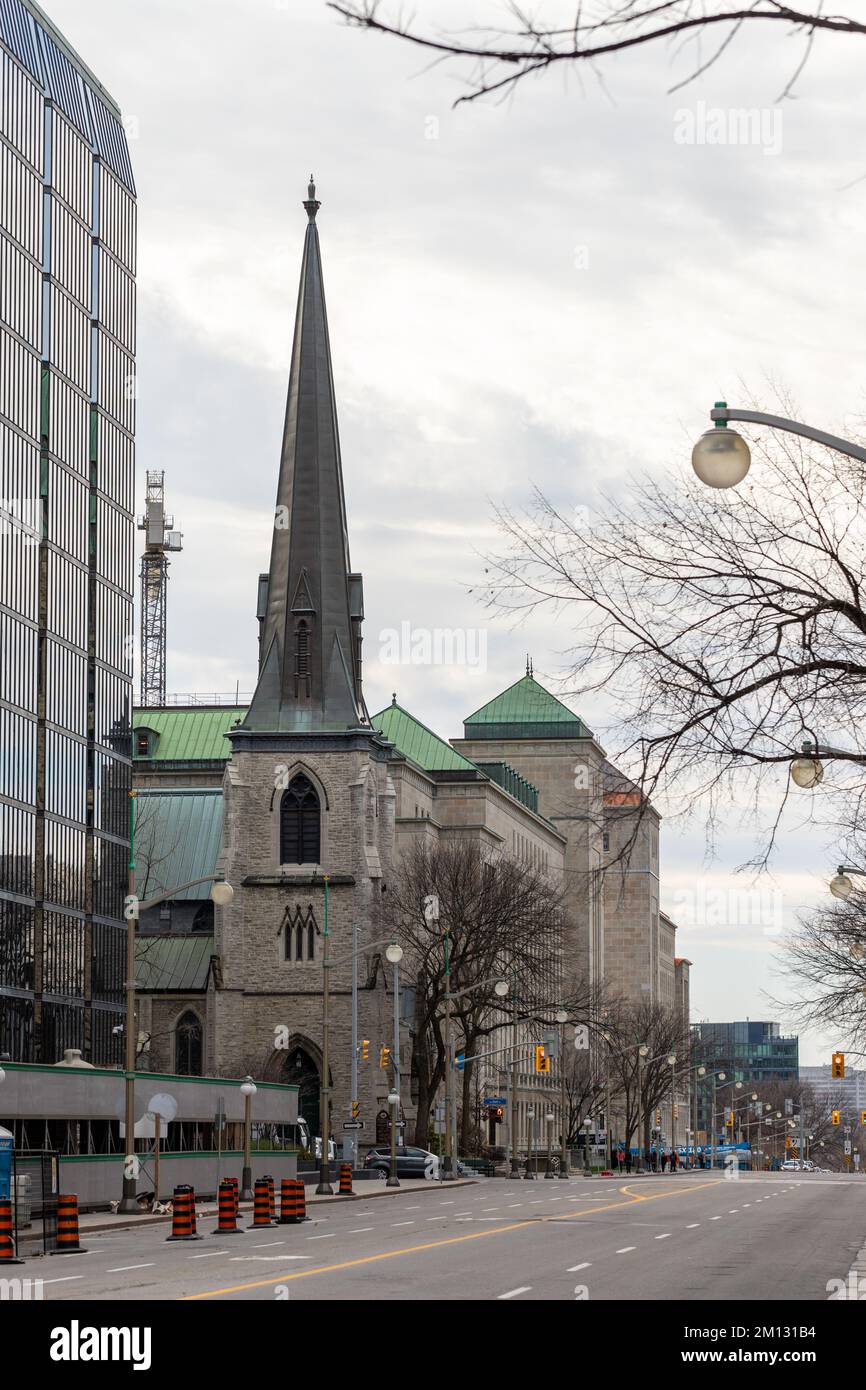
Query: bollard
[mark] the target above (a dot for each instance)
(183, 1215)
(67, 1226)
(345, 1180)
(7, 1242)
(261, 1203)
(227, 1224)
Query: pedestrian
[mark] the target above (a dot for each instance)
(620, 1158)
(664, 1160)
(628, 1159)
(674, 1160)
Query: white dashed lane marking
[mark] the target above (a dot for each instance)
(512, 1293)
(121, 1269)
(625, 1249)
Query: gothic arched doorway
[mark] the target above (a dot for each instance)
(302, 1071)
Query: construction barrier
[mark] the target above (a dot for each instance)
(272, 1200)
(261, 1203)
(67, 1226)
(292, 1201)
(227, 1224)
(236, 1190)
(7, 1243)
(183, 1215)
(346, 1180)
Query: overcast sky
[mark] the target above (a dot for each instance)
(552, 291)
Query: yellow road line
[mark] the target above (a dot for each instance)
(438, 1244)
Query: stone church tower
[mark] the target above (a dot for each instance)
(308, 835)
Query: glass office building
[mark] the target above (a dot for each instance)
(750, 1052)
(67, 417)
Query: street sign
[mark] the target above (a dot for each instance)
(495, 1100)
(130, 908)
(581, 1037)
(353, 1124)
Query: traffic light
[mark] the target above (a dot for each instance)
(788, 1141)
(365, 1049)
(384, 1058)
(356, 1109)
(542, 1061)
(676, 1113)
(863, 1117)
(498, 1113)
(837, 1066)
(835, 1117)
(658, 1119)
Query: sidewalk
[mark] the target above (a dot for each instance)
(100, 1222)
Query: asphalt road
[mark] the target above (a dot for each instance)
(687, 1237)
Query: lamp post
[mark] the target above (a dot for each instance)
(500, 989)
(221, 894)
(324, 1186)
(672, 1062)
(530, 1119)
(549, 1120)
(587, 1166)
(562, 1018)
(394, 954)
(393, 1104)
(248, 1090)
(721, 458)
(642, 1052)
(514, 1170)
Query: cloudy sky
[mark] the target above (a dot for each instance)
(549, 291)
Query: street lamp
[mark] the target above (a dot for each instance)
(841, 886)
(561, 1017)
(587, 1167)
(248, 1090)
(807, 772)
(721, 457)
(549, 1120)
(393, 1103)
(672, 1063)
(642, 1052)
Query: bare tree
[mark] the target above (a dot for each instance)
(640, 1084)
(825, 959)
(502, 918)
(498, 59)
(725, 628)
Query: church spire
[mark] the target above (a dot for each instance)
(310, 672)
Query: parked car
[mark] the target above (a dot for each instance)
(791, 1165)
(412, 1162)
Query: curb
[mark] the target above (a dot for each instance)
(136, 1223)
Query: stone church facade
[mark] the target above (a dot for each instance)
(305, 803)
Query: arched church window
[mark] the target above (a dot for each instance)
(300, 819)
(311, 941)
(188, 1045)
(302, 649)
(299, 942)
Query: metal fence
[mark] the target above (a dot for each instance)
(35, 1189)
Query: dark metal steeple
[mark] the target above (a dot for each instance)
(310, 650)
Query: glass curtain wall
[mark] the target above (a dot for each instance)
(67, 420)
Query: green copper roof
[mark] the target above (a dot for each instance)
(525, 710)
(177, 839)
(187, 734)
(173, 962)
(415, 741)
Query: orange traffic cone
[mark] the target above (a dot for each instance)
(183, 1215)
(261, 1203)
(7, 1235)
(67, 1226)
(227, 1224)
(345, 1180)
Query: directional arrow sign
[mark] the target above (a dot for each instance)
(353, 1124)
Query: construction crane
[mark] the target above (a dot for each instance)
(160, 539)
